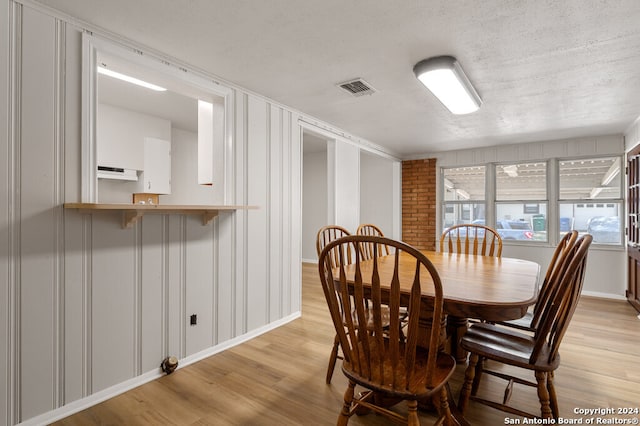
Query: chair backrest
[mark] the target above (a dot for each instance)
(381, 354)
(563, 249)
(471, 239)
(562, 301)
(330, 233)
(367, 249)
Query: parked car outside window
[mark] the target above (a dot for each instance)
(514, 229)
(604, 229)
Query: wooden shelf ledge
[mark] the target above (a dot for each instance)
(131, 213)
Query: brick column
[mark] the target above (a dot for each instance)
(419, 203)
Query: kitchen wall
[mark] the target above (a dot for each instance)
(88, 309)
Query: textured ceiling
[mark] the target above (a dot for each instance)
(545, 69)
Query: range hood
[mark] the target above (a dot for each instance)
(117, 173)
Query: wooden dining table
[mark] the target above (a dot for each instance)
(481, 287)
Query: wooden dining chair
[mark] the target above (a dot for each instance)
(367, 253)
(471, 239)
(531, 320)
(329, 233)
(379, 360)
(537, 352)
(325, 235)
(367, 249)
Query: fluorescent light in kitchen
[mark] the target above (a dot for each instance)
(129, 79)
(444, 77)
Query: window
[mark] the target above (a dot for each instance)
(598, 181)
(587, 196)
(521, 201)
(122, 115)
(463, 195)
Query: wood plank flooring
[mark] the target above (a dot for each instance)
(278, 378)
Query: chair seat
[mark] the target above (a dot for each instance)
(507, 346)
(445, 366)
(523, 323)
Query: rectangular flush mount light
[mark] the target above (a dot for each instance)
(129, 79)
(444, 77)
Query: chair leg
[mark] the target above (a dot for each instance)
(478, 376)
(469, 374)
(412, 418)
(332, 359)
(552, 396)
(343, 419)
(543, 395)
(444, 410)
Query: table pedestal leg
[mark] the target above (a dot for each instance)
(456, 327)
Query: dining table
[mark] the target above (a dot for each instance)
(480, 287)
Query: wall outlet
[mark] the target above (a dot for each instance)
(193, 319)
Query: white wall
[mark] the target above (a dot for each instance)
(377, 189)
(88, 309)
(344, 185)
(7, 225)
(606, 270)
(184, 176)
(314, 204)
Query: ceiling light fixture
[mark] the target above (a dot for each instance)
(444, 77)
(128, 79)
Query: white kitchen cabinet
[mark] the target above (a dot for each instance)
(156, 176)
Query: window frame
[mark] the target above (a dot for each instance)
(444, 203)
(553, 201)
(620, 200)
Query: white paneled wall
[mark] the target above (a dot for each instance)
(88, 309)
(376, 179)
(344, 184)
(7, 333)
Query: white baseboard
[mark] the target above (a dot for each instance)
(98, 397)
(603, 295)
(310, 261)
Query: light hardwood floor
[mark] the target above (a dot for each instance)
(278, 378)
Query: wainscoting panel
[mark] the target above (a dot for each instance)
(199, 266)
(40, 229)
(76, 305)
(240, 218)
(8, 281)
(151, 318)
(227, 285)
(258, 257)
(176, 286)
(275, 211)
(114, 301)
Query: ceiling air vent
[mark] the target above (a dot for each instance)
(357, 87)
